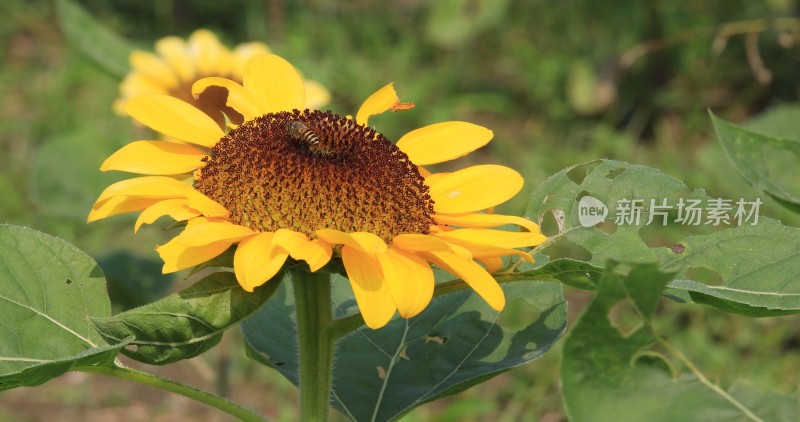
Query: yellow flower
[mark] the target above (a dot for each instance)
(177, 64)
(310, 184)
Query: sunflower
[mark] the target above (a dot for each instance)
(301, 183)
(177, 64)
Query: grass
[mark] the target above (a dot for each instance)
(540, 88)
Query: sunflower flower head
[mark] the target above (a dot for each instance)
(176, 64)
(285, 171)
(294, 181)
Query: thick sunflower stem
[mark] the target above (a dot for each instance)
(312, 297)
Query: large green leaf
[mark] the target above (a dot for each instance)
(49, 291)
(759, 266)
(758, 263)
(610, 376)
(608, 181)
(458, 341)
(93, 39)
(769, 163)
(187, 323)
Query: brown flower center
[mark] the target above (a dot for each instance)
(310, 170)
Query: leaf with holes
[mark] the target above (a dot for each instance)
(759, 266)
(610, 376)
(92, 39)
(187, 323)
(603, 184)
(49, 290)
(758, 261)
(457, 342)
(769, 163)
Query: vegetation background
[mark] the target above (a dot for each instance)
(560, 83)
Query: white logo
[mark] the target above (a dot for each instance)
(591, 211)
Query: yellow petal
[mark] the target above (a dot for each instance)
(242, 54)
(155, 157)
(206, 50)
(239, 98)
(363, 241)
(483, 251)
(434, 178)
(176, 54)
(443, 142)
(207, 206)
(315, 261)
(226, 64)
(502, 238)
(475, 188)
(382, 100)
(215, 231)
(369, 289)
(178, 209)
(154, 68)
(275, 84)
(485, 221)
(492, 265)
(316, 95)
(120, 205)
(316, 253)
(177, 255)
(473, 274)
(409, 279)
(257, 260)
(138, 84)
(174, 118)
(147, 187)
(425, 242)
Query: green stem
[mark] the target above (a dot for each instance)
(175, 387)
(312, 298)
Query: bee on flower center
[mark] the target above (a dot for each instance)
(302, 133)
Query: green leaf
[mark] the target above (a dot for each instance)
(608, 181)
(49, 290)
(92, 39)
(769, 405)
(187, 323)
(769, 163)
(759, 266)
(133, 280)
(582, 275)
(457, 342)
(780, 121)
(758, 263)
(42, 372)
(610, 376)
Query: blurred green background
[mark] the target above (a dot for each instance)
(560, 83)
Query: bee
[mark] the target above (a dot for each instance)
(302, 133)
